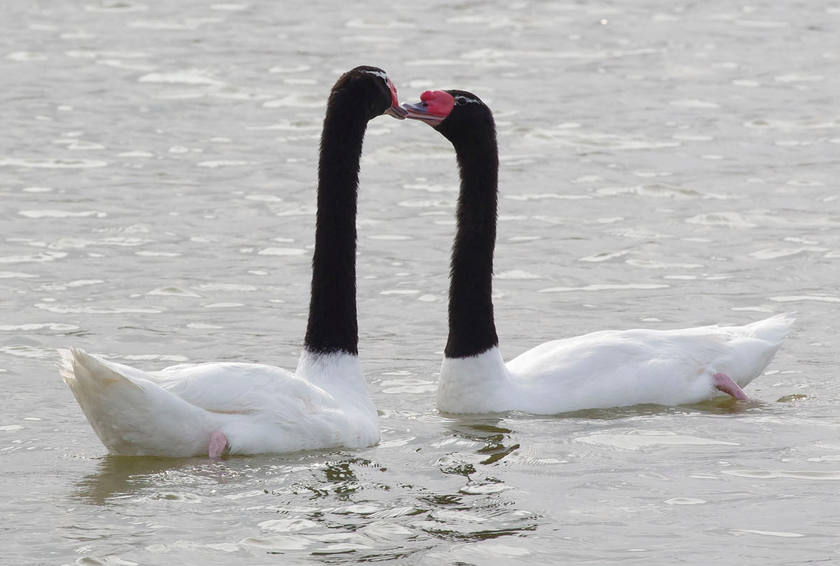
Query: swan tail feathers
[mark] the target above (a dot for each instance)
(130, 414)
(81, 370)
(774, 329)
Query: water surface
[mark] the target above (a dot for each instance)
(661, 166)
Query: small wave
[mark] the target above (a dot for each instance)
(51, 163)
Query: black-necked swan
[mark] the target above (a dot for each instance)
(598, 370)
(243, 408)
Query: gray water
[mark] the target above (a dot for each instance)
(663, 165)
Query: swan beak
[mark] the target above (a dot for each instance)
(396, 112)
(420, 112)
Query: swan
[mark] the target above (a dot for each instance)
(603, 369)
(241, 408)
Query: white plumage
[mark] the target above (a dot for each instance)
(611, 368)
(259, 408)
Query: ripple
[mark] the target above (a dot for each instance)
(776, 253)
(203, 326)
(16, 275)
(470, 526)
(229, 7)
(484, 488)
(805, 298)
(30, 327)
(226, 287)
(685, 501)
(762, 24)
(830, 458)
(794, 78)
(782, 534)
(417, 386)
(277, 543)
(287, 525)
(778, 474)
(25, 56)
(547, 196)
(295, 101)
(729, 219)
(63, 309)
(517, 275)
(152, 253)
(607, 287)
(21, 351)
(297, 68)
(281, 251)
(179, 496)
(264, 198)
(400, 292)
(61, 214)
(33, 258)
(637, 440)
(654, 264)
(378, 23)
(693, 137)
(51, 163)
(290, 126)
(694, 103)
(185, 77)
(604, 256)
(424, 203)
(596, 140)
(429, 188)
(224, 163)
(186, 25)
(172, 292)
(390, 237)
(775, 124)
(116, 6)
(657, 190)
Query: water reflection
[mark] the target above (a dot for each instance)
(716, 406)
(489, 432)
(118, 477)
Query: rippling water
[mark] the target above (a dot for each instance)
(663, 165)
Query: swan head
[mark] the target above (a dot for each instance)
(371, 87)
(451, 112)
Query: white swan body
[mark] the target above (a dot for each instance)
(259, 408)
(598, 370)
(611, 368)
(220, 408)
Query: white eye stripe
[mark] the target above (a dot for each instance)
(461, 99)
(381, 74)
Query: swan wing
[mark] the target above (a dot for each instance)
(670, 367)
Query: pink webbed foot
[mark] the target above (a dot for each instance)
(723, 382)
(218, 446)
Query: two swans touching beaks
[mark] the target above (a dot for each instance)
(243, 408)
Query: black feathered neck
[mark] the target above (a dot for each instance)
(471, 129)
(357, 96)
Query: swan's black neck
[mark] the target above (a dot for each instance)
(472, 329)
(332, 311)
